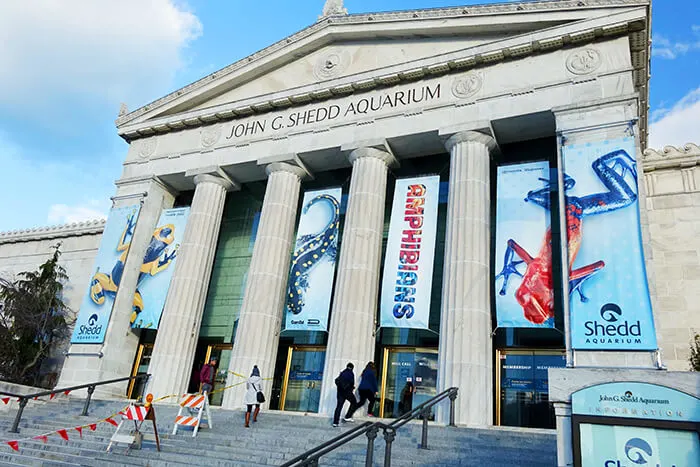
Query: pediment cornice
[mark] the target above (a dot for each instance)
(630, 22)
(75, 229)
(671, 157)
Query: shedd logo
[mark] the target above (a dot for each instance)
(615, 331)
(91, 329)
(638, 452)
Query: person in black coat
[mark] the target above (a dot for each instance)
(368, 389)
(345, 383)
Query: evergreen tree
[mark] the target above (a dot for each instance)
(33, 320)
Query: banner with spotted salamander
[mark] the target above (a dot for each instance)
(313, 262)
(410, 251)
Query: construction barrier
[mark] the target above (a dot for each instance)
(197, 406)
(138, 414)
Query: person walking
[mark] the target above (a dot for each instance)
(345, 384)
(368, 388)
(207, 375)
(253, 395)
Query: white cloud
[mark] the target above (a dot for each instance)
(64, 214)
(678, 125)
(662, 47)
(56, 52)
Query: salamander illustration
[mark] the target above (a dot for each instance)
(311, 249)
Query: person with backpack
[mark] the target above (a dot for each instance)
(254, 395)
(345, 384)
(368, 388)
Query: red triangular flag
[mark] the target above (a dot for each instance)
(66, 392)
(36, 398)
(93, 426)
(63, 434)
(6, 400)
(19, 399)
(79, 429)
(43, 438)
(111, 421)
(52, 395)
(14, 445)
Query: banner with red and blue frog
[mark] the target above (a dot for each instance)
(157, 268)
(609, 295)
(313, 262)
(96, 308)
(523, 283)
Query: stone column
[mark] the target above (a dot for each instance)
(353, 320)
(178, 332)
(565, 448)
(465, 319)
(257, 336)
(120, 342)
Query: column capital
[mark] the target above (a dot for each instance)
(213, 175)
(470, 136)
(293, 169)
(385, 156)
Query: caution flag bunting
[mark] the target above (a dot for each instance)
(6, 400)
(14, 445)
(111, 421)
(63, 434)
(79, 429)
(43, 438)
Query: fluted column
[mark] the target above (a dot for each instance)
(465, 318)
(173, 352)
(257, 336)
(351, 334)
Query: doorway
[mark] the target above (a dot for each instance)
(222, 353)
(141, 364)
(301, 390)
(409, 378)
(523, 387)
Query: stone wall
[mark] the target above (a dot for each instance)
(672, 178)
(26, 250)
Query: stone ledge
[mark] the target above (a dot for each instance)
(671, 157)
(92, 227)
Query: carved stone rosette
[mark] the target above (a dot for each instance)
(467, 85)
(584, 62)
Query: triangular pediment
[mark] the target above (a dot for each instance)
(337, 49)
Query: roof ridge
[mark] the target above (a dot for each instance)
(52, 230)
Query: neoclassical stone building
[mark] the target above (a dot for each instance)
(359, 102)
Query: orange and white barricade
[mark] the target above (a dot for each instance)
(197, 405)
(138, 414)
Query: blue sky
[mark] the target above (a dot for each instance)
(68, 65)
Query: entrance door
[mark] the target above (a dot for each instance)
(524, 387)
(409, 378)
(301, 391)
(222, 352)
(143, 360)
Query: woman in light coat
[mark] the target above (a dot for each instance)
(252, 386)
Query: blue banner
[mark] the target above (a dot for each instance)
(313, 263)
(525, 295)
(158, 267)
(613, 446)
(609, 297)
(93, 318)
(410, 252)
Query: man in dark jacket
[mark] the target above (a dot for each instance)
(345, 383)
(207, 376)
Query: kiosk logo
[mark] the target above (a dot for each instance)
(637, 450)
(615, 331)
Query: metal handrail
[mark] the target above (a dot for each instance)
(371, 430)
(24, 398)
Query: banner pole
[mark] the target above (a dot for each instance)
(564, 241)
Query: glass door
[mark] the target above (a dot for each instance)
(143, 360)
(524, 387)
(409, 378)
(302, 381)
(222, 353)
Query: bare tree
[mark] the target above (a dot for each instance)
(33, 319)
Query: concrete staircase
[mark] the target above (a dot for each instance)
(276, 438)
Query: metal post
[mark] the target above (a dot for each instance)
(371, 436)
(425, 413)
(18, 416)
(91, 389)
(389, 437)
(453, 397)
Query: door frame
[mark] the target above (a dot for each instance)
(290, 352)
(385, 369)
(518, 351)
(135, 368)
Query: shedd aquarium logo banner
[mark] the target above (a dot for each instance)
(609, 302)
(91, 324)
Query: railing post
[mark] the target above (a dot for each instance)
(453, 397)
(389, 437)
(91, 389)
(425, 413)
(18, 416)
(371, 436)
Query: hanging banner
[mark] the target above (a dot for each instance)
(313, 263)
(92, 320)
(609, 297)
(158, 267)
(410, 250)
(525, 295)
